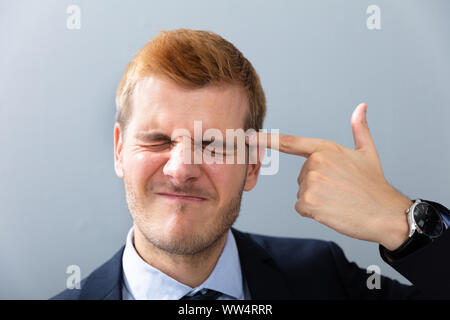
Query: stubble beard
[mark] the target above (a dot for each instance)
(192, 244)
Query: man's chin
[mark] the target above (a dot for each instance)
(180, 233)
(183, 242)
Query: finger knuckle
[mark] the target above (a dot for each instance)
(308, 199)
(313, 177)
(302, 173)
(301, 177)
(330, 145)
(317, 159)
(301, 210)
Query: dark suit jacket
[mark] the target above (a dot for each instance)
(289, 268)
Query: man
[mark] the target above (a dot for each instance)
(182, 244)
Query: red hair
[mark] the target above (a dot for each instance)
(192, 59)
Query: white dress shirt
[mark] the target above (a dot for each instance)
(142, 281)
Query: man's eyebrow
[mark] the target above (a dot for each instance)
(152, 136)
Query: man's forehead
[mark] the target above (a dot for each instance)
(153, 90)
(160, 104)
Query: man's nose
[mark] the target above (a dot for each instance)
(180, 166)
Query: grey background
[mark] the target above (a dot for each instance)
(60, 200)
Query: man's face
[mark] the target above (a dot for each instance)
(178, 207)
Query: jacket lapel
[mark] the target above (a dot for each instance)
(264, 278)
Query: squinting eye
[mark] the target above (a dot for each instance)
(213, 151)
(158, 147)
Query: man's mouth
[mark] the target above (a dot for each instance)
(180, 196)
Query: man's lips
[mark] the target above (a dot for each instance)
(180, 196)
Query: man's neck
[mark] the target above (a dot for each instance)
(191, 270)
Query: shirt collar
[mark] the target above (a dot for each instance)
(145, 282)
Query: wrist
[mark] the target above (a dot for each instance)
(396, 230)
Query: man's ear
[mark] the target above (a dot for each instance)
(118, 145)
(252, 175)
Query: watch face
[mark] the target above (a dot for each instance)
(428, 220)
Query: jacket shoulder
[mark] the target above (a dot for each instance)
(70, 294)
(103, 283)
(285, 250)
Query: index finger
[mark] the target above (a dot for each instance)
(300, 146)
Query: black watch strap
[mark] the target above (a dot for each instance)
(413, 243)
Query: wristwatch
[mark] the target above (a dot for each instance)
(425, 225)
(424, 219)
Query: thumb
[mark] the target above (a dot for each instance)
(361, 134)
